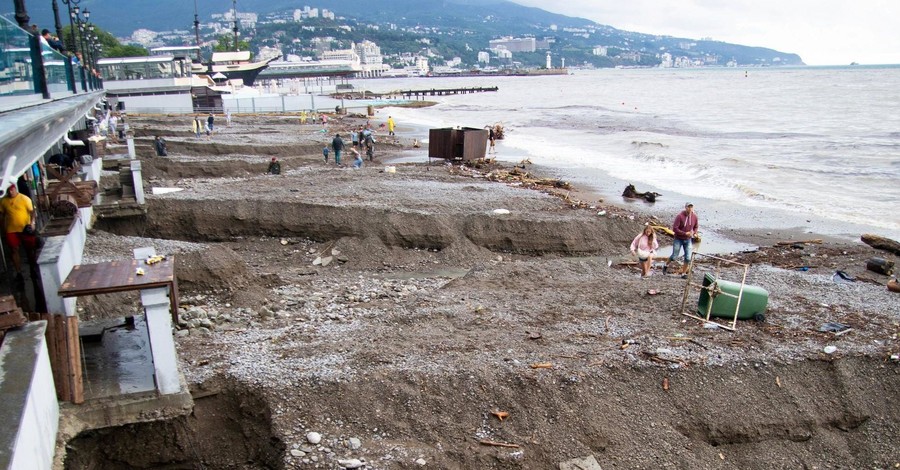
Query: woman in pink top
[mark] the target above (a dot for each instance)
(644, 246)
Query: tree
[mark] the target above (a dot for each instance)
(111, 46)
(225, 43)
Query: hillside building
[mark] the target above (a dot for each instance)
(514, 44)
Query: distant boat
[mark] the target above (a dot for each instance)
(233, 65)
(854, 63)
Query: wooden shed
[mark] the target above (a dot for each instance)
(466, 143)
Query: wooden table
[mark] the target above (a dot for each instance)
(121, 276)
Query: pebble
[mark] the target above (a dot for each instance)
(830, 349)
(421, 462)
(297, 453)
(313, 437)
(355, 443)
(351, 463)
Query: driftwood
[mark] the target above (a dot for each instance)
(816, 241)
(486, 442)
(632, 193)
(880, 266)
(881, 243)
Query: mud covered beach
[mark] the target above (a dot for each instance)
(402, 321)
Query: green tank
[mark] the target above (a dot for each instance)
(753, 301)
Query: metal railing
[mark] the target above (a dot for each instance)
(29, 67)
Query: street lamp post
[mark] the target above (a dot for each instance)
(74, 10)
(70, 75)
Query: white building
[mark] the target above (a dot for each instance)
(246, 20)
(306, 12)
(601, 50)
(422, 64)
(370, 58)
(327, 14)
(666, 61)
(515, 44)
(341, 54)
(502, 53)
(484, 57)
(144, 37)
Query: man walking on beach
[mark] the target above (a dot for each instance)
(391, 125)
(685, 228)
(338, 146)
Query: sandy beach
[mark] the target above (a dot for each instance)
(399, 317)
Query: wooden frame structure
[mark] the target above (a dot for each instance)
(713, 290)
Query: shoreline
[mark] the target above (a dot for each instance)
(726, 227)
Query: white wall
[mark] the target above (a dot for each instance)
(29, 410)
(159, 104)
(36, 442)
(58, 256)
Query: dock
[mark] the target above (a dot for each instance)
(444, 91)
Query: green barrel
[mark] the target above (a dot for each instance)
(753, 301)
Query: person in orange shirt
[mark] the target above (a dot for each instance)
(17, 212)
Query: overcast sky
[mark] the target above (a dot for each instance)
(822, 32)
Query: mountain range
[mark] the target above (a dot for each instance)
(480, 19)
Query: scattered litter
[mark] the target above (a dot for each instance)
(501, 211)
(165, 190)
(486, 442)
(778, 381)
(893, 285)
(880, 266)
(833, 327)
(601, 213)
(841, 276)
(534, 335)
(284, 242)
(580, 463)
(390, 169)
(665, 384)
(501, 415)
(829, 349)
(542, 365)
(711, 325)
(653, 292)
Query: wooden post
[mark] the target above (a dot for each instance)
(62, 362)
(50, 337)
(76, 385)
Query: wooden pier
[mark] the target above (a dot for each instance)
(420, 94)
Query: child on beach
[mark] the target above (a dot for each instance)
(325, 153)
(358, 161)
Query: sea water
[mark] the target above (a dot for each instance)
(809, 144)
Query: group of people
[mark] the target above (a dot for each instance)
(361, 139)
(53, 42)
(312, 117)
(684, 228)
(207, 127)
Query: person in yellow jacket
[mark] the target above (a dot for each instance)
(197, 126)
(17, 212)
(391, 125)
